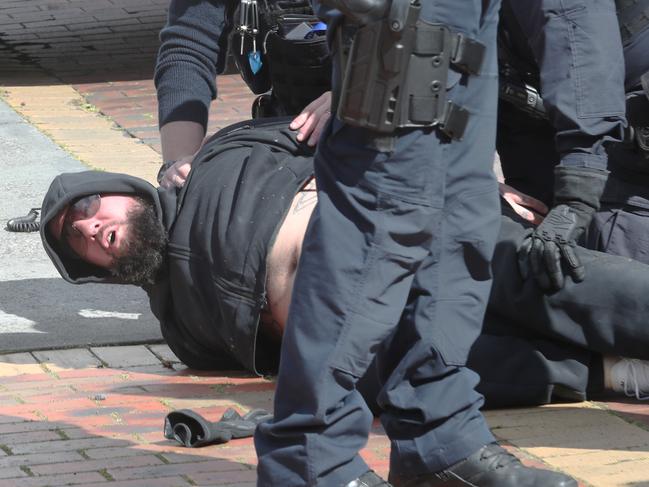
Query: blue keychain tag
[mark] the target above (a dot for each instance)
(254, 59)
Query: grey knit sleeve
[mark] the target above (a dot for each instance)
(192, 51)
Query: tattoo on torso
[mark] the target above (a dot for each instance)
(307, 197)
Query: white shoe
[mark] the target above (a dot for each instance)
(631, 376)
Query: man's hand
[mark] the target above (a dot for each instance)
(524, 205)
(312, 120)
(176, 174)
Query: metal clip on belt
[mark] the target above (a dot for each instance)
(397, 80)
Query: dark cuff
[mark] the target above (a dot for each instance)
(579, 186)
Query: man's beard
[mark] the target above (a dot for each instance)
(144, 252)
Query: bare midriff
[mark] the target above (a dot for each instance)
(283, 258)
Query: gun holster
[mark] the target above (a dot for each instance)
(398, 78)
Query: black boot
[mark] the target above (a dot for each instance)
(368, 479)
(491, 466)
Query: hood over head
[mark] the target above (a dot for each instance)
(71, 186)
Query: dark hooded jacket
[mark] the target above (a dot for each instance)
(221, 227)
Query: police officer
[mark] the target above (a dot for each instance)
(580, 57)
(194, 46)
(397, 258)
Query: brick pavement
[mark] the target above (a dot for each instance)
(73, 39)
(93, 416)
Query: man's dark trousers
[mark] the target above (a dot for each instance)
(535, 347)
(398, 248)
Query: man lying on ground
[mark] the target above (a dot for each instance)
(218, 257)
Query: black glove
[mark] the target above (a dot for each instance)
(190, 429)
(548, 252)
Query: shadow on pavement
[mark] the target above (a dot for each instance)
(97, 449)
(51, 313)
(79, 42)
(74, 41)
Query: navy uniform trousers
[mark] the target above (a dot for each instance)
(527, 146)
(398, 248)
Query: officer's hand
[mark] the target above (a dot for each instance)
(524, 205)
(312, 120)
(548, 252)
(177, 173)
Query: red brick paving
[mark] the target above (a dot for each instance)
(133, 105)
(103, 426)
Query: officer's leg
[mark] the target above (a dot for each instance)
(431, 410)
(444, 315)
(373, 225)
(443, 319)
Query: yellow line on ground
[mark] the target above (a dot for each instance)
(62, 114)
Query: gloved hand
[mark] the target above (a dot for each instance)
(548, 252)
(190, 429)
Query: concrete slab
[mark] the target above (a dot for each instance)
(132, 356)
(74, 358)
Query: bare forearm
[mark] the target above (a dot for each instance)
(180, 139)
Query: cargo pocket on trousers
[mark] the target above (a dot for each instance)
(465, 276)
(401, 241)
(457, 330)
(375, 310)
(584, 24)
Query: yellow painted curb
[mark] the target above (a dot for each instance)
(62, 113)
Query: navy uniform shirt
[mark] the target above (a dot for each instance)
(578, 50)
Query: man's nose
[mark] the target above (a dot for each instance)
(88, 228)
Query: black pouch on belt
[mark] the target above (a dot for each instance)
(300, 67)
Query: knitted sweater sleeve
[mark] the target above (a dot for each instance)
(192, 51)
